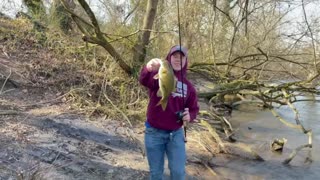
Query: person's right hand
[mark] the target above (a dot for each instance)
(153, 65)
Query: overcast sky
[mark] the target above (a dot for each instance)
(11, 7)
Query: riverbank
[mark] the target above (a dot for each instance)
(44, 137)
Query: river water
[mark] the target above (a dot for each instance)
(258, 128)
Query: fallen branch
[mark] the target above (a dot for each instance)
(242, 150)
(129, 131)
(294, 109)
(119, 110)
(50, 101)
(10, 112)
(214, 134)
(203, 162)
(298, 125)
(5, 82)
(209, 168)
(230, 148)
(284, 121)
(222, 124)
(294, 153)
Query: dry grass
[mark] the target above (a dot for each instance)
(67, 64)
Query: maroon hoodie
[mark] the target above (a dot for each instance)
(167, 120)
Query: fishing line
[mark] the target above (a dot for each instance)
(182, 88)
(179, 31)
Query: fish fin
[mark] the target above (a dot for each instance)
(159, 93)
(158, 103)
(175, 85)
(163, 104)
(156, 76)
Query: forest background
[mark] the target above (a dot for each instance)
(92, 51)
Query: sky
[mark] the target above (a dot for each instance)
(296, 18)
(11, 7)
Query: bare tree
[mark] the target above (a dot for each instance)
(93, 34)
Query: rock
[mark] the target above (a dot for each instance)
(277, 144)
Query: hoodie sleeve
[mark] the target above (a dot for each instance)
(192, 104)
(146, 78)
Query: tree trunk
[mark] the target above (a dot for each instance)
(143, 41)
(93, 34)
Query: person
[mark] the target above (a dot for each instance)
(164, 134)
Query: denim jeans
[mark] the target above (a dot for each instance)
(160, 142)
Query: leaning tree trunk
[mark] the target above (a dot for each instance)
(93, 34)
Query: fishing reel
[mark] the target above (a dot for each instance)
(179, 115)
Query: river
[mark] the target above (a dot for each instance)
(259, 128)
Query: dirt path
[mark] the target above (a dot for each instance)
(42, 137)
(61, 144)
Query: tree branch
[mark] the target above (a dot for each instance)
(312, 38)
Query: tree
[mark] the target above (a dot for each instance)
(59, 14)
(143, 40)
(93, 34)
(238, 45)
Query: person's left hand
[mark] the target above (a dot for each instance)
(186, 115)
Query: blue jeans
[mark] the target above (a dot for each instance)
(160, 142)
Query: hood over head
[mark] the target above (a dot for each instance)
(184, 51)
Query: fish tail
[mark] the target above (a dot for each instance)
(163, 104)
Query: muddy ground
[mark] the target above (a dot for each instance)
(42, 137)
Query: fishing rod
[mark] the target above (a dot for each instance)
(180, 113)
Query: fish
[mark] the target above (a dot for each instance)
(167, 83)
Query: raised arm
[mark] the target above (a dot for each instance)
(147, 73)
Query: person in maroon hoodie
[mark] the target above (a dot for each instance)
(164, 134)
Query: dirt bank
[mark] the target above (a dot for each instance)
(41, 136)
